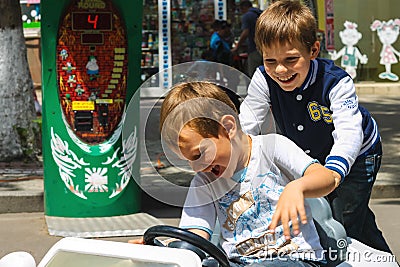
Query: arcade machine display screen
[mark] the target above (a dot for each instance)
(92, 69)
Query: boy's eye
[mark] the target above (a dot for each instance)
(195, 157)
(269, 61)
(292, 59)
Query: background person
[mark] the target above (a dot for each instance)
(221, 45)
(249, 18)
(221, 42)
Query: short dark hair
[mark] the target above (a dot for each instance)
(220, 24)
(245, 3)
(286, 21)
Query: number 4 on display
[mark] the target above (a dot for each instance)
(94, 22)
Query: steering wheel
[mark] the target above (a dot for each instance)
(187, 236)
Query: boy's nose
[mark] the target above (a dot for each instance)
(280, 68)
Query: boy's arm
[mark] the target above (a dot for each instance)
(317, 181)
(198, 213)
(348, 131)
(201, 233)
(255, 106)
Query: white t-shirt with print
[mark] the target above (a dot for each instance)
(244, 204)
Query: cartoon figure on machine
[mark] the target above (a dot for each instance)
(388, 31)
(92, 68)
(350, 53)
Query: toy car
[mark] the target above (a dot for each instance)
(192, 250)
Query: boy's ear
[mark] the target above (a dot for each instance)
(315, 50)
(229, 123)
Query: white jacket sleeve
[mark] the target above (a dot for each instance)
(348, 133)
(256, 105)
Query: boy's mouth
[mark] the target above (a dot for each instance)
(287, 79)
(217, 170)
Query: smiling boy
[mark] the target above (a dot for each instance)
(314, 104)
(249, 183)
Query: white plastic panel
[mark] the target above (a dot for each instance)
(80, 252)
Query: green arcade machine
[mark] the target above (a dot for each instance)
(91, 52)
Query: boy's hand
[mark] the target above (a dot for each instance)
(290, 207)
(139, 241)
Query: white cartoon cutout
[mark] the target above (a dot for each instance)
(349, 53)
(388, 32)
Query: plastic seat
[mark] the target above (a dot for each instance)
(331, 233)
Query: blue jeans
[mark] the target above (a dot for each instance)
(352, 198)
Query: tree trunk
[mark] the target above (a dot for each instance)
(18, 131)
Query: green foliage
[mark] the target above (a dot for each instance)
(30, 140)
